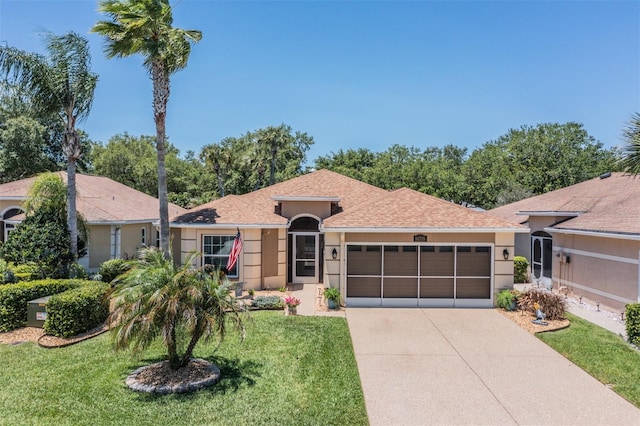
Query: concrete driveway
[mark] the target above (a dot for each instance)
(471, 366)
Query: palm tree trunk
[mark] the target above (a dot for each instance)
(71, 150)
(195, 337)
(72, 214)
(172, 350)
(160, 98)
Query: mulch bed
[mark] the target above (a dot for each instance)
(525, 320)
(35, 334)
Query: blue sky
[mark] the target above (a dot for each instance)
(364, 74)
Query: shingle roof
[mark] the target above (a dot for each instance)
(100, 199)
(406, 208)
(363, 206)
(600, 205)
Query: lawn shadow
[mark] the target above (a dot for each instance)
(235, 373)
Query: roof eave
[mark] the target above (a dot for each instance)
(228, 225)
(603, 234)
(549, 213)
(418, 229)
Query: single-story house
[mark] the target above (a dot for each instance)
(120, 219)
(378, 247)
(585, 237)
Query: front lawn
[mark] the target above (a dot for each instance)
(289, 370)
(600, 353)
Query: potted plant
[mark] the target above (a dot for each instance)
(333, 297)
(291, 305)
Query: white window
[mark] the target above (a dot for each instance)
(216, 250)
(143, 236)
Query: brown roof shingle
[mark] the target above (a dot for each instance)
(100, 199)
(601, 205)
(363, 206)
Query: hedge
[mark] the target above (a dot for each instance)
(520, 269)
(77, 310)
(14, 298)
(268, 302)
(633, 323)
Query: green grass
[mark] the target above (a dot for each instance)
(604, 355)
(289, 370)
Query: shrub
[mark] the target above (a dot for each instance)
(14, 298)
(76, 270)
(520, 268)
(633, 323)
(77, 310)
(268, 302)
(4, 267)
(111, 269)
(26, 272)
(507, 299)
(551, 304)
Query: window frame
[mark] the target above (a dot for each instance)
(221, 255)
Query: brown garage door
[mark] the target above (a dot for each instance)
(418, 275)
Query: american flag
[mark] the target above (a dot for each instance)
(235, 251)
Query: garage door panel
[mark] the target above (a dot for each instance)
(364, 260)
(473, 263)
(400, 287)
(473, 288)
(400, 260)
(364, 287)
(440, 288)
(436, 261)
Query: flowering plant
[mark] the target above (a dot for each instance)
(291, 301)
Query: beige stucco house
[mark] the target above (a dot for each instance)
(120, 219)
(585, 237)
(380, 248)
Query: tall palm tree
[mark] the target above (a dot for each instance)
(179, 304)
(62, 85)
(144, 27)
(631, 156)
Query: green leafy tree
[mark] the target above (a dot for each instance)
(181, 305)
(631, 152)
(131, 161)
(42, 238)
(21, 153)
(62, 85)
(534, 160)
(145, 27)
(240, 163)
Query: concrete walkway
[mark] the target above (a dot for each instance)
(471, 366)
(601, 316)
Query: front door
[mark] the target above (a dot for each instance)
(541, 258)
(305, 257)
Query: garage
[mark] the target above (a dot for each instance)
(424, 275)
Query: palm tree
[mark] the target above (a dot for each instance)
(631, 133)
(179, 304)
(61, 85)
(145, 27)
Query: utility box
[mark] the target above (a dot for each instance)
(37, 312)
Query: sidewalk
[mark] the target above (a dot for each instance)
(602, 316)
(312, 301)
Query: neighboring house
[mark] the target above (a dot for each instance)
(120, 219)
(585, 237)
(380, 248)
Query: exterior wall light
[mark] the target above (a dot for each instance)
(505, 254)
(334, 254)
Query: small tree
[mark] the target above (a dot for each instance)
(181, 305)
(42, 238)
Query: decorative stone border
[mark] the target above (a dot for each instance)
(213, 377)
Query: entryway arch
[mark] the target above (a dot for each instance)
(304, 249)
